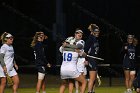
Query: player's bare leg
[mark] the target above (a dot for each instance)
(132, 77)
(138, 90)
(92, 78)
(63, 86)
(79, 84)
(71, 86)
(127, 79)
(38, 86)
(81, 79)
(44, 85)
(3, 84)
(76, 86)
(16, 83)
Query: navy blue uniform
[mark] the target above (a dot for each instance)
(136, 82)
(92, 48)
(40, 58)
(129, 57)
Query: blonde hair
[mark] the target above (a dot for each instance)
(35, 38)
(135, 41)
(92, 27)
(3, 37)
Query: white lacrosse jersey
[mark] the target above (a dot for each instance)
(9, 55)
(80, 63)
(69, 65)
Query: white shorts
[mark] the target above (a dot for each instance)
(81, 66)
(69, 71)
(11, 72)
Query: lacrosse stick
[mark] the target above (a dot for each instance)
(95, 57)
(99, 80)
(9, 80)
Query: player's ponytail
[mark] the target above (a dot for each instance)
(135, 41)
(92, 27)
(3, 37)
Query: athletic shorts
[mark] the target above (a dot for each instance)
(92, 66)
(129, 65)
(11, 72)
(41, 69)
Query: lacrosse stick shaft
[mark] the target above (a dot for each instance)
(95, 57)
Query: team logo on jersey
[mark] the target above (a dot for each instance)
(10, 50)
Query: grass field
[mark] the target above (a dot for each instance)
(56, 90)
(28, 84)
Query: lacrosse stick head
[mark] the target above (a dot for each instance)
(9, 80)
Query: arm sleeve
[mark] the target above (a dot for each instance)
(2, 60)
(3, 50)
(69, 49)
(71, 46)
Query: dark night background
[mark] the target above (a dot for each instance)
(22, 18)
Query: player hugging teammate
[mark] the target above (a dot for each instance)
(73, 65)
(72, 50)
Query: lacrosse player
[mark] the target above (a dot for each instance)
(129, 67)
(7, 62)
(40, 60)
(80, 62)
(92, 48)
(69, 68)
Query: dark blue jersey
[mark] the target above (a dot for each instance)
(129, 56)
(40, 58)
(92, 46)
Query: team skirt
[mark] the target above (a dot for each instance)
(11, 72)
(81, 66)
(67, 73)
